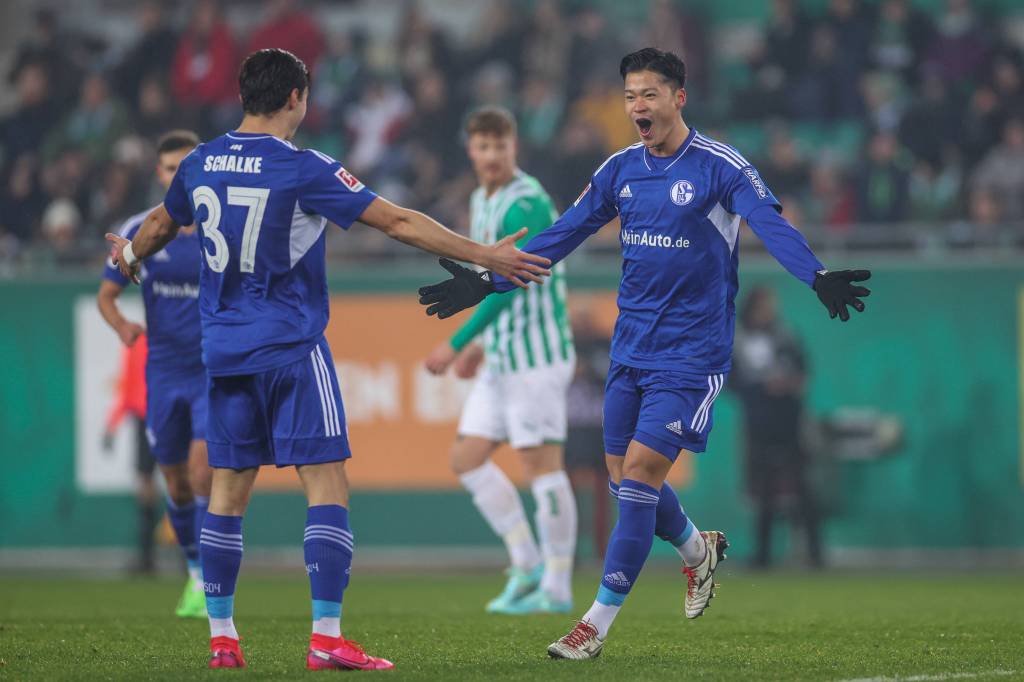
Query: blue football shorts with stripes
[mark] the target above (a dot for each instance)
(288, 416)
(664, 410)
(176, 405)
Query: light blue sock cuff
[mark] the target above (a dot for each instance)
(609, 597)
(201, 500)
(326, 609)
(687, 532)
(220, 607)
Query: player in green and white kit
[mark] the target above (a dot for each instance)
(525, 344)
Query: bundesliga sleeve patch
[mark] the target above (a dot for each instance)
(349, 180)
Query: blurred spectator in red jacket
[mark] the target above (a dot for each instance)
(289, 28)
(205, 65)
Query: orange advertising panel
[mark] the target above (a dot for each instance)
(401, 419)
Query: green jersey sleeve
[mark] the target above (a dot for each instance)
(484, 314)
(533, 213)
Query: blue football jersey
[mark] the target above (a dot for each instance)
(262, 206)
(170, 296)
(680, 219)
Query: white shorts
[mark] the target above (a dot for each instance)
(524, 409)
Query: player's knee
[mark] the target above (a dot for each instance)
(541, 460)
(229, 503)
(461, 463)
(200, 477)
(640, 470)
(179, 489)
(614, 465)
(531, 469)
(470, 452)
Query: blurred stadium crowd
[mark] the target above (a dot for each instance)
(876, 123)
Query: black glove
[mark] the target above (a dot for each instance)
(836, 291)
(465, 289)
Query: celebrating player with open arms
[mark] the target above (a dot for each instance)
(680, 197)
(262, 206)
(175, 376)
(520, 396)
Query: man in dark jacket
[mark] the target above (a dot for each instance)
(769, 375)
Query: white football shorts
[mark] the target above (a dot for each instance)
(524, 409)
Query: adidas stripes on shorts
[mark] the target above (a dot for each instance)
(666, 411)
(288, 416)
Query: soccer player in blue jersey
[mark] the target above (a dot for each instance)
(262, 207)
(175, 376)
(680, 196)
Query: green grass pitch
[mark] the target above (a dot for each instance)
(760, 627)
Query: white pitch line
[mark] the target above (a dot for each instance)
(934, 678)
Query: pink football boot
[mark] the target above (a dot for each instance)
(225, 653)
(333, 653)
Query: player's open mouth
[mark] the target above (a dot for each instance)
(644, 126)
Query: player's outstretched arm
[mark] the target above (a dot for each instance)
(156, 232)
(419, 230)
(836, 290)
(466, 288)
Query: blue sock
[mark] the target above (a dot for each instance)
(631, 539)
(201, 505)
(672, 524)
(328, 546)
(183, 522)
(220, 547)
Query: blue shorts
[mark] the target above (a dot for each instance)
(666, 411)
(176, 402)
(288, 416)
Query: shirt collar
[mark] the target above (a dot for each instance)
(649, 159)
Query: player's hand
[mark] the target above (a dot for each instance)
(514, 265)
(116, 251)
(440, 359)
(468, 361)
(464, 290)
(129, 333)
(836, 290)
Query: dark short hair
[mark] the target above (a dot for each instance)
(176, 140)
(491, 121)
(267, 78)
(670, 66)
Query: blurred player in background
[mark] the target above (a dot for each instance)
(130, 403)
(520, 396)
(680, 197)
(262, 206)
(175, 376)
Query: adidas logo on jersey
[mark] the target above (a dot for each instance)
(625, 193)
(617, 578)
(675, 427)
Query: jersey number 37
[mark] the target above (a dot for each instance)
(255, 200)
